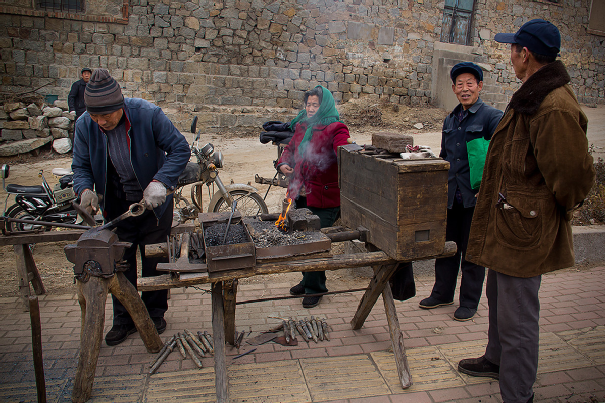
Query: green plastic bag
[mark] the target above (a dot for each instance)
(476, 150)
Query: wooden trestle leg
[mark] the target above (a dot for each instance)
(218, 328)
(27, 272)
(92, 296)
(379, 285)
(230, 290)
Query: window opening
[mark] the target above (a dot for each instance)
(457, 21)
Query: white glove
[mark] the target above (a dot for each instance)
(89, 201)
(154, 195)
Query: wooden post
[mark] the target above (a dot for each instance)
(382, 274)
(26, 272)
(34, 314)
(218, 328)
(401, 360)
(230, 290)
(94, 293)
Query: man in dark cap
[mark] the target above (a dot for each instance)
(465, 136)
(126, 150)
(537, 171)
(75, 99)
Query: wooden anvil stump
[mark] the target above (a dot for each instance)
(97, 259)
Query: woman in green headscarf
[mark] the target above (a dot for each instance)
(309, 160)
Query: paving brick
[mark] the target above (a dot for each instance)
(376, 399)
(443, 395)
(550, 391)
(414, 397)
(310, 353)
(340, 351)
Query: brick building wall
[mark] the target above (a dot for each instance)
(230, 61)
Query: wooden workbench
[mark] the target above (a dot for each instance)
(27, 272)
(224, 291)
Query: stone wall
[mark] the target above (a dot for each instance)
(235, 62)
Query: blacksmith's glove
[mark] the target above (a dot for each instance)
(89, 201)
(154, 194)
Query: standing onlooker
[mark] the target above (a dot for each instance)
(309, 160)
(75, 99)
(470, 125)
(538, 169)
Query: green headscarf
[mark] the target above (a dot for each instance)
(325, 115)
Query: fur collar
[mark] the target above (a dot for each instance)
(528, 98)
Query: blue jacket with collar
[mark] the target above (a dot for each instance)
(157, 150)
(480, 121)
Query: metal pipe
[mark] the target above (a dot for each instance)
(45, 223)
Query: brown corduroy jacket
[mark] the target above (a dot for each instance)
(537, 171)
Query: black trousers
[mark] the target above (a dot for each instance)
(140, 231)
(315, 281)
(446, 269)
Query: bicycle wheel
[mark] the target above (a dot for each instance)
(16, 211)
(248, 203)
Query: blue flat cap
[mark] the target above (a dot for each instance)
(539, 36)
(466, 67)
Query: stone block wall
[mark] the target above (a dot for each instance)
(236, 61)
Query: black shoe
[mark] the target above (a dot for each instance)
(160, 324)
(463, 314)
(430, 303)
(298, 289)
(119, 333)
(310, 302)
(479, 367)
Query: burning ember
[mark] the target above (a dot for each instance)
(281, 221)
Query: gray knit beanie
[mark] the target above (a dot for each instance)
(103, 93)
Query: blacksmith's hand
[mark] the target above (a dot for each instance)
(154, 194)
(89, 201)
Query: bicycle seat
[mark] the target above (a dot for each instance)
(61, 171)
(39, 190)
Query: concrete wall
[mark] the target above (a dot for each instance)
(235, 62)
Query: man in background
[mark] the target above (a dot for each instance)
(75, 99)
(465, 135)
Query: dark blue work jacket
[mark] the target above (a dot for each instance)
(157, 150)
(480, 121)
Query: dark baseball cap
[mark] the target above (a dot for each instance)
(466, 67)
(539, 36)
(86, 69)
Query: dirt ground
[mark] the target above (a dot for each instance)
(243, 158)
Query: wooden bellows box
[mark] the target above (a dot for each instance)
(403, 203)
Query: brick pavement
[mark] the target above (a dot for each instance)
(354, 366)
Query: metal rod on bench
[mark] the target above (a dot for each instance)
(252, 301)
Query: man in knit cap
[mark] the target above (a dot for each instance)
(126, 150)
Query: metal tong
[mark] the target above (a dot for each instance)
(135, 210)
(233, 208)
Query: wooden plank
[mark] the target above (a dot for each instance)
(218, 327)
(229, 293)
(401, 361)
(382, 274)
(328, 263)
(50, 236)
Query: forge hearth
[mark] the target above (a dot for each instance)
(270, 242)
(237, 252)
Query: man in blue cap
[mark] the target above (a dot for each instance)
(465, 136)
(537, 171)
(75, 99)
